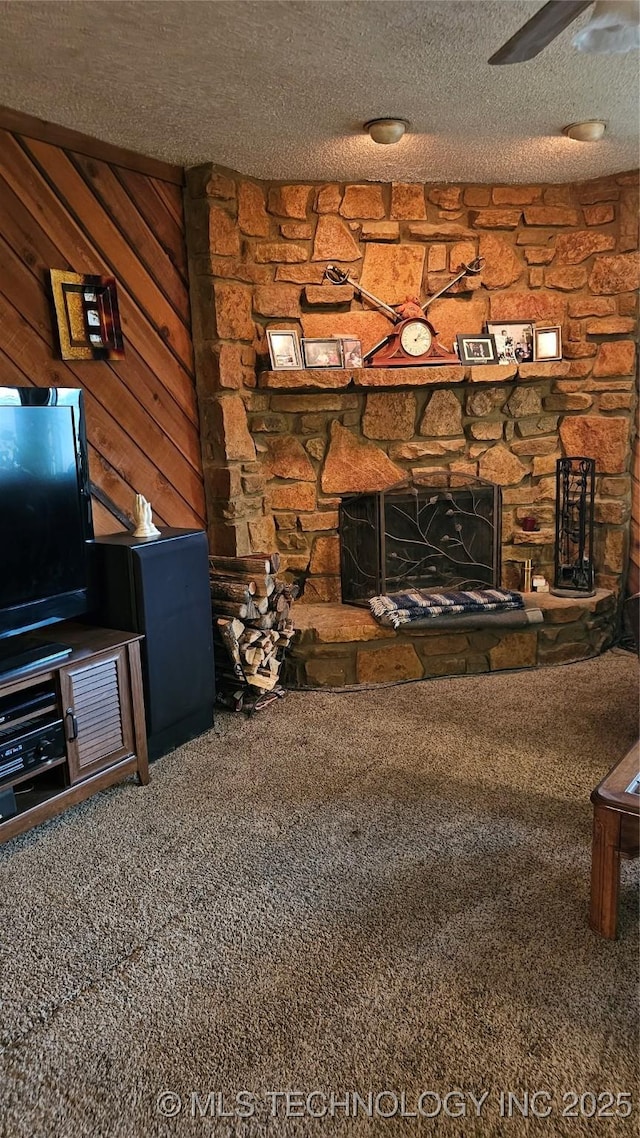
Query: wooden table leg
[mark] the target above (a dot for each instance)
(605, 872)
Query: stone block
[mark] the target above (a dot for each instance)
(333, 241)
(536, 277)
(615, 274)
(614, 513)
(322, 378)
(524, 401)
(380, 231)
(362, 201)
(289, 201)
(252, 215)
(539, 307)
(487, 399)
(296, 230)
(566, 278)
(573, 248)
(319, 520)
(426, 376)
(487, 430)
(313, 402)
(262, 534)
(368, 327)
(545, 463)
(500, 465)
(393, 272)
(502, 266)
(550, 215)
(610, 325)
(580, 401)
(352, 465)
(407, 201)
(477, 196)
(430, 643)
(629, 217)
(268, 422)
(253, 484)
(390, 415)
(442, 416)
(391, 663)
(285, 252)
(554, 370)
(615, 357)
(615, 401)
(534, 446)
(229, 419)
(325, 557)
(301, 274)
(565, 653)
(437, 261)
(327, 671)
(447, 197)
(529, 426)
(285, 521)
(412, 451)
(599, 214)
(535, 538)
(277, 300)
(605, 438)
(322, 590)
(453, 315)
(328, 199)
(515, 650)
(614, 550)
(496, 218)
(576, 350)
(293, 496)
(316, 448)
(286, 458)
(579, 306)
(614, 487)
(516, 195)
(449, 231)
(538, 255)
(328, 294)
(292, 542)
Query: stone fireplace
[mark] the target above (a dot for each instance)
(282, 448)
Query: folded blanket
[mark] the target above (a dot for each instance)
(418, 604)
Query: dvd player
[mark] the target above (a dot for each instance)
(30, 750)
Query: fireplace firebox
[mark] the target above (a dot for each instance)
(439, 533)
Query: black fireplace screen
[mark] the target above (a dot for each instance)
(444, 534)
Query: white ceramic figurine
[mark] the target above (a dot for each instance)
(143, 519)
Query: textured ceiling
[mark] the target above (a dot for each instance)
(280, 88)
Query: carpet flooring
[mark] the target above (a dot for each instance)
(381, 892)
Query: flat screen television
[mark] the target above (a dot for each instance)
(45, 512)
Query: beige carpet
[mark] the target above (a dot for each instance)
(382, 891)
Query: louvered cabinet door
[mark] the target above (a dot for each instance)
(96, 705)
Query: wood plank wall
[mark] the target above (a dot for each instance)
(70, 207)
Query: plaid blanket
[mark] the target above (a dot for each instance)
(416, 604)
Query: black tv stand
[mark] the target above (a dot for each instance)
(22, 652)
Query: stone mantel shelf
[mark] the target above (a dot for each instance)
(343, 379)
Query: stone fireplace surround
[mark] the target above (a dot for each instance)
(279, 448)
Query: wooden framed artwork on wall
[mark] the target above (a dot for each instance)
(86, 308)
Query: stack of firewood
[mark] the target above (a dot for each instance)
(251, 616)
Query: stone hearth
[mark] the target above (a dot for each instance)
(338, 645)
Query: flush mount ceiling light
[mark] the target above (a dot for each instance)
(590, 131)
(386, 131)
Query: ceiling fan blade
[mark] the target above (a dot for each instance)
(540, 30)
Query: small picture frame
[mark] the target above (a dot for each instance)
(284, 350)
(514, 341)
(547, 343)
(322, 352)
(477, 349)
(351, 352)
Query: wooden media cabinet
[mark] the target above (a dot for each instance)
(93, 701)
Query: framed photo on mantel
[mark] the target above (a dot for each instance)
(477, 349)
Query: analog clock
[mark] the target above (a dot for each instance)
(416, 338)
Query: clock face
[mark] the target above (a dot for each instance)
(416, 338)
